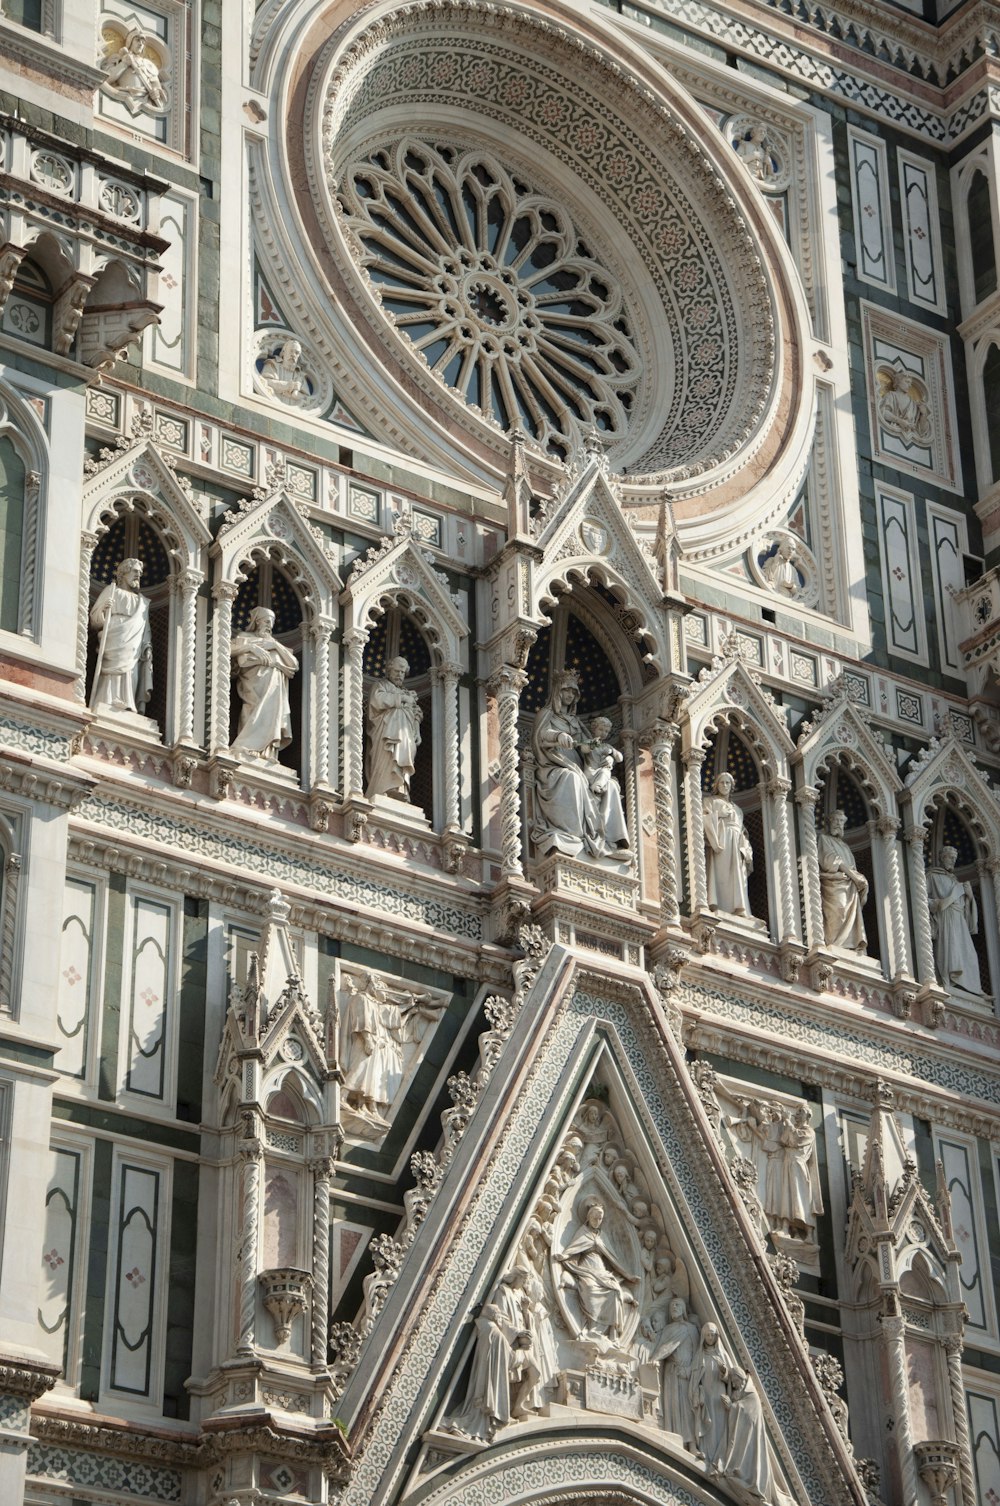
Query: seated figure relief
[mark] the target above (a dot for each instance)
(578, 804)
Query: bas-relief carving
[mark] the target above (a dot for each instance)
(578, 804)
(954, 922)
(290, 372)
(594, 1313)
(381, 1028)
(394, 718)
(773, 1132)
(135, 67)
(902, 403)
(264, 667)
(123, 673)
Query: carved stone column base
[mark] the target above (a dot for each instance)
(592, 906)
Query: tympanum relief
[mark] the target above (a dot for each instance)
(595, 1312)
(382, 1024)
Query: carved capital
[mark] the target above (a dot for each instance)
(449, 669)
(225, 590)
(355, 638)
(322, 1168)
(777, 788)
(807, 797)
(887, 826)
(693, 758)
(915, 835)
(506, 683)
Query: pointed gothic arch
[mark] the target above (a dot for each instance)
(728, 697)
(942, 785)
(836, 739)
(270, 529)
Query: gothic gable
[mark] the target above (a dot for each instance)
(140, 468)
(946, 767)
(838, 732)
(731, 689)
(397, 569)
(272, 521)
(591, 1054)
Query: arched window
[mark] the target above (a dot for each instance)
(979, 211)
(991, 402)
(13, 478)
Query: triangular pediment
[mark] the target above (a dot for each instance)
(586, 531)
(946, 765)
(398, 566)
(143, 468)
(276, 520)
(590, 1106)
(840, 730)
(731, 685)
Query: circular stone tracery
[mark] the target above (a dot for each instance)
(495, 286)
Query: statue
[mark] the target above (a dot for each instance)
(780, 572)
(675, 1350)
(123, 674)
(747, 1461)
(902, 405)
(394, 719)
(598, 1277)
(954, 922)
(502, 1368)
(710, 1399)
(375, 1030)
(792, 1197)
(570, 818)
(843, 888)
(599, 760)
(265, 667)
(133, 76)
(283, 375)
(730, 855)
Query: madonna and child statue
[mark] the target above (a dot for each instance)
(578, 802)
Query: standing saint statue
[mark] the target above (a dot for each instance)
(123, 675)
(792, 1196)
(265, 667)
(843, 888)
(375, 1030)
(676, 1348)
(502, 1368)
(712, 1373)
(598, 1277)
(394, 718)
(954, 922)
(730, 855)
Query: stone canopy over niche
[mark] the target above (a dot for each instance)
(534, 238)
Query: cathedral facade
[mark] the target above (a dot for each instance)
(499, 753)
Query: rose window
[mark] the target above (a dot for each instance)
(497, 289)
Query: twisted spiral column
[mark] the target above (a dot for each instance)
(915, 837)
(807, 799)
(187, 587)
(252, 1154)
(777, 791)
(322, 1171)
(661, 750)
(893, 1337)
(697, 871)
(447, 677)
(886, 828)
(629, 741)
(953, 1346)
(354, 771)
(88, 543)
(505, 688)
(223, 594)
(320, 632)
